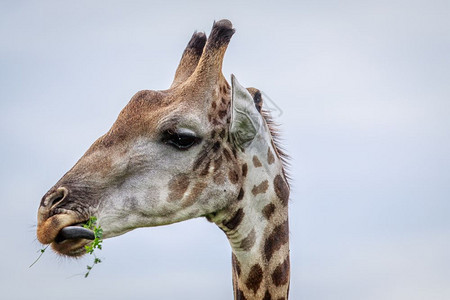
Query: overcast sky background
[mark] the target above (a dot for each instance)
(364, 91)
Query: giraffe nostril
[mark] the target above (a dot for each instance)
(56, 197)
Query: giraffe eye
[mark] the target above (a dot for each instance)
(182, 139)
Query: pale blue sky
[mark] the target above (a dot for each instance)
(364, 90)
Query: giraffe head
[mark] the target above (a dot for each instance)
(171, 155)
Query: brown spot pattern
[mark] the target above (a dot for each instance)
(234, 152)
(217, 163)
(281, 189)
(216, 146)
(235, 220)
(223, 89)
(205, 170)
(219, 178)
(268, 210)
(267, 296)
(200, 158)
(261, 188)
(195, 193)
(270, 156)
(281, 274)
(254, 278)
(240, 295)
(222, 113)
(227, 154)
(236, 264)
(278, 237)
(233, 176)
(249, 241)
(241, 195)
(178, 186)
(256, 162)
(244, 170)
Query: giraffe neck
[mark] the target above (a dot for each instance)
(258, 230)
(263, 271)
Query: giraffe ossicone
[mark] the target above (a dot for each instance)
(198, 149)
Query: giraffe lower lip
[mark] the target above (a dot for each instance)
(74, 232)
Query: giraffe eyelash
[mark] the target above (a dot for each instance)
(181, 139)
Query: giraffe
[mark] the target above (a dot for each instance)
(201, 148)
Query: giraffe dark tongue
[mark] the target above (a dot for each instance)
(74, 232)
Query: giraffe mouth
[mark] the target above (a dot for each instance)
(65, 232)
(71, 240)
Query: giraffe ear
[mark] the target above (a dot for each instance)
(245, 118)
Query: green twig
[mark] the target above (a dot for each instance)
(42, 252)
(96, 243)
